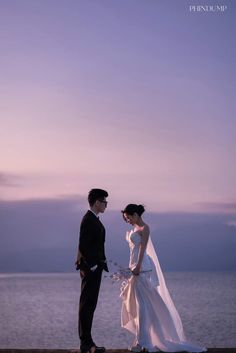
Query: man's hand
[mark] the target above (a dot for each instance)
(77, 265)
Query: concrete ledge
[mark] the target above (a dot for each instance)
(15, 350)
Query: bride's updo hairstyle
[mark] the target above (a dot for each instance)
(132, 208)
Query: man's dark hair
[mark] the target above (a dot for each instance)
(96, 194)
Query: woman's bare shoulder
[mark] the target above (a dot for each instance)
(146, 229)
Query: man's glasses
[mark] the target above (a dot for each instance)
(104, 201)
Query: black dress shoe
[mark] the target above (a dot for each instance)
(88, 350)
(97, 349)
(100, 349)
(85, 350)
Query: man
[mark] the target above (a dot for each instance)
(91, 261)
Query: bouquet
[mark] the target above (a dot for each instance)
(120, 274)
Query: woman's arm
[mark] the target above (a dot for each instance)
(142, 248)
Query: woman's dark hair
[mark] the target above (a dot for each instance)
(96, 194)
(132, 208)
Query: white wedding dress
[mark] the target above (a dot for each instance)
(147, 308)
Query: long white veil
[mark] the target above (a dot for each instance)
(158, 281)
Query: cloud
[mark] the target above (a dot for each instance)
(231, 223)
(39, 223)
(61, 201)
(225, 207)
(42, 235)
(8, 180)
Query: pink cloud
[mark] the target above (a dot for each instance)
(8, 180)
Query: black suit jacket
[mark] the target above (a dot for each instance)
(91, 243)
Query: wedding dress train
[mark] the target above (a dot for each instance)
(147, 308)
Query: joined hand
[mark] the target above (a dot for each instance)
(135, 271)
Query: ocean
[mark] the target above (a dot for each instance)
(41, 310)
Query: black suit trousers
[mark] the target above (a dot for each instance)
(90, 287)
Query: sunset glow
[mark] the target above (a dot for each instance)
(108, 94)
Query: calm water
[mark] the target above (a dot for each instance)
(40, 310)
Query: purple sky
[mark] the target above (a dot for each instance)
(135, 96)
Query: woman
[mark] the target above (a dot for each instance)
(147, 308)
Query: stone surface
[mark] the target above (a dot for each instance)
(210, 350)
